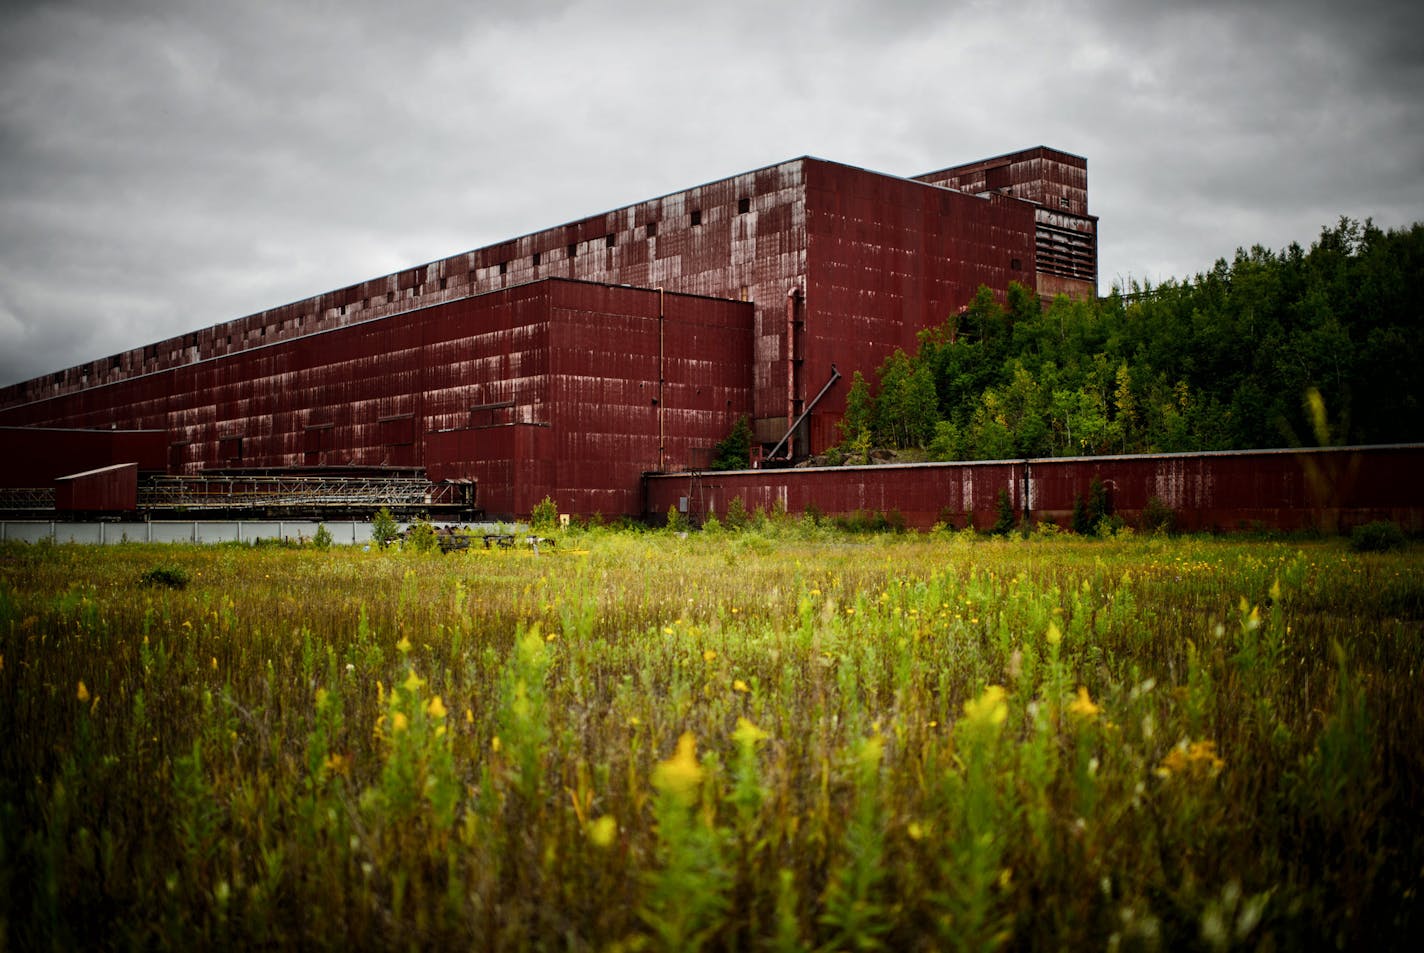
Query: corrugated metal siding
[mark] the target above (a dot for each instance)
(605, 351)
(754, 255)
(1057, 182)
(1329, 489)
(892, 256)
(36, 456)
(922, 495)
(888, 258)
(105, 490)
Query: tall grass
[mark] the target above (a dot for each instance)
(767, 739)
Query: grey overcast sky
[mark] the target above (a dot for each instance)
(165, 166)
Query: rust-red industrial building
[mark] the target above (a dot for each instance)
(571, 361)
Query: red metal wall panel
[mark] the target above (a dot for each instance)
(34, 457)
(922, 494)
(1275, 489)
(105, 490)
(888, 258)
(1328, 489)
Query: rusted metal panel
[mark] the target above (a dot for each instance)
(1057, 183)
(35, 456)
(106, 490)
(1330, 489)
(1326, 489)
(888, 258)
(921, 494)
(465, 342)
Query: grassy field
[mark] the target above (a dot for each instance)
(764, 740)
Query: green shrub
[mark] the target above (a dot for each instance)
(1158, 517)
(420, 536)
(676, 521)
(322, 539)
(384, 527)
(1004, 524)
(734, 452)
(737, 515)
(1377, 537)
(545, 516)
(170, 576)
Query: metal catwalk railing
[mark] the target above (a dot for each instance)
(276, 492)
(21, 498)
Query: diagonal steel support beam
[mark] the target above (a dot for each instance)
(835, 376)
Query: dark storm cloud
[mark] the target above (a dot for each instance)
(166, 167)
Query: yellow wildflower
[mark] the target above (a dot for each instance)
(740, 686)
(1196, 759)
(399, 722)
(413, 682)
(494, 744)
(83, 693)
(748, 733)
(601, 831)
(1083, 705)
(870, 751)
(989, 708)
(1054, 634)
(469, 716)
(680, 775)
(709, 655)
(403, 646)
(436, 708)
(1202, 754)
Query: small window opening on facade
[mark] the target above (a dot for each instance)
(1063, 202)
(444, 283)
(343, 309)
(262, 331)
(1016, 264)
(504, 267)
(115, 363)
(610, 240)
(696, 217)
(573, 249)
(536, 259)
(193, 339)
(365, 303)
(150, 352)
(652, 229)
(744, 206)
(59, 378)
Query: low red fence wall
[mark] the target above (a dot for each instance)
(1331, 489)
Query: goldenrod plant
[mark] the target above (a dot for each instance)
(784, 737)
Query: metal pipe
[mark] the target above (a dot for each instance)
(662, 378)
(790, 370)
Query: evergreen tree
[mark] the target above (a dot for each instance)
(735, 450)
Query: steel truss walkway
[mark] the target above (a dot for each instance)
(298, 492)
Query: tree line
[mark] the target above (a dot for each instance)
(1298, 347)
